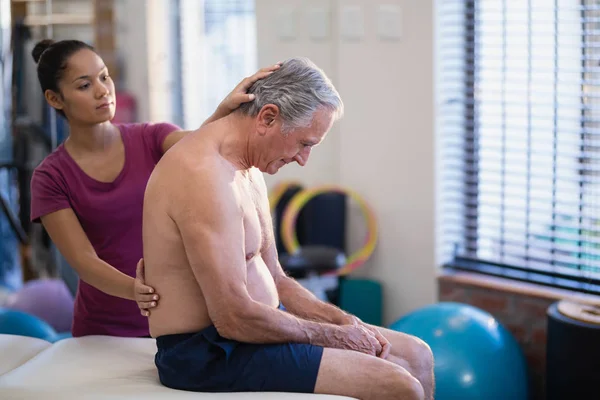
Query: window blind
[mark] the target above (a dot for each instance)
(519, 131)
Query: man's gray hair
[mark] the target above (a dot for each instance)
(298, 88)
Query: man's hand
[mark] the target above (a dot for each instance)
(386, 346)
(357, 338)
(239, 94)
(144, 295)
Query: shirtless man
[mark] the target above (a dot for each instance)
(229, 318)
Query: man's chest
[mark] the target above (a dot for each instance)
(256, 226)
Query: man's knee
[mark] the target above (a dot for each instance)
(420, 356)
(400, 384)
(425, 351)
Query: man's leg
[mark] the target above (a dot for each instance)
(354, 374)
(414, 355)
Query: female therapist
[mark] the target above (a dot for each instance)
(88, 193)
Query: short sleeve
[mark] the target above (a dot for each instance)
(47, 196)
(156, 134)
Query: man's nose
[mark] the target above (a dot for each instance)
(301, 158)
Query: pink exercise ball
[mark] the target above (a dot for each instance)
(48, 299)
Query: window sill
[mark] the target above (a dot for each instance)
(515, 287)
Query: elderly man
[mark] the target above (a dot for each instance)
(229, 319)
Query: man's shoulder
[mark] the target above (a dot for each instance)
(212, 173)
(186, 171)
(202, 188)
(199, 160)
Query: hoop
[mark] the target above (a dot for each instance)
(290, 216)
(278, 191)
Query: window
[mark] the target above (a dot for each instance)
(217, 43)
(5, 82)
(519, 130)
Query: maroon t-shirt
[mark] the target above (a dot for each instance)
(111, 216)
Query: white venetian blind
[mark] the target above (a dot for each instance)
(519, 125)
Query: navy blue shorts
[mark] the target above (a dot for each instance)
(207, 362)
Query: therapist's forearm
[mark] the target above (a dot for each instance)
(104, 277)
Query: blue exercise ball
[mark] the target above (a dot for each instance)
(59, 336)
(475, 356)
(14, 322)
(47, 299)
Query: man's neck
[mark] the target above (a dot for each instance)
(91, 138)
(234, 131)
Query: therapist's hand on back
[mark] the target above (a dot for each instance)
(145, 296)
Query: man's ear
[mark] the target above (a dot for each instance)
(267, 118)
(54, 99)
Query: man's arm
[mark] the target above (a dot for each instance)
(207, 211)
(296, 298)
(301, 302)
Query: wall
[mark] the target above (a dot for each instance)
(132, 45)
(384, 146)
(324, 166)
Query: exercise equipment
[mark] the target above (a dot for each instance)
(323, 220)
(15, 322)
(279, 198)
(278, 192)
(310, 225)
(320, 222)
(47, 299)
(475, 356)
(363, 298)
(573, 351)
(311, 265)
(59, 336)
(290, 216)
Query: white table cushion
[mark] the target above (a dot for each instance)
(17, 350)
(101, 367)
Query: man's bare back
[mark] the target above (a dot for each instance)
(183, 308)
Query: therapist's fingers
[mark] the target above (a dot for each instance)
(146, 298)
(146, 305)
